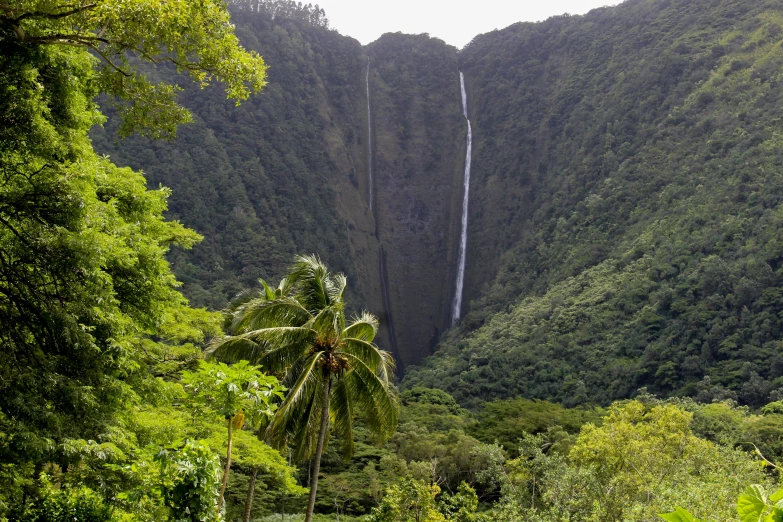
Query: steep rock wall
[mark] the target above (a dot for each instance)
(419, 141)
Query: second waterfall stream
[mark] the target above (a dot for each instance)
(371, 181)
(463, 240)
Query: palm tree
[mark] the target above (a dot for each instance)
(331, 369)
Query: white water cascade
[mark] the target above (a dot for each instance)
(463, 240)
(369, 137)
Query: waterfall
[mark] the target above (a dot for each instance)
(463, 241)
(369, 136)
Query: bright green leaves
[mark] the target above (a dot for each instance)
(638, 446)
(190, 481)
(647, 459)
(753, 505)
(409, 501)
(679, 515)
(249, 453)
(772, 408)
(229, 390)
(197, 37)
(220, 401)
(460, 507)
(66, 505)
(146, 108)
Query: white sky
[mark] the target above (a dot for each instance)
(454, 21)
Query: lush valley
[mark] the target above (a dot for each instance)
(619, 354)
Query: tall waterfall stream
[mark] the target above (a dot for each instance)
(463, 241)
(371, 181)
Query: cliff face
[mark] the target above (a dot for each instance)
(419, 152)
(287, 172)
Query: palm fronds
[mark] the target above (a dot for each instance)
(299, 330)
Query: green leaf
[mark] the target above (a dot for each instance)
(775, 516)
(778, 495)
(751, 504)
(679, 515)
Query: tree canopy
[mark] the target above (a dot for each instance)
(91, 315)
(197, 37)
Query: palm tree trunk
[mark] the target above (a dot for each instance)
(228, 463)
(319, 449)
(250, 492)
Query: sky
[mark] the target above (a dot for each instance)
(454, 21)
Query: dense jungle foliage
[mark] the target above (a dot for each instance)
(257, 181)
(96, 418)
(631, 461)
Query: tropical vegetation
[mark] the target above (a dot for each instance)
(95, 332)
(331, 366)
(620, 357)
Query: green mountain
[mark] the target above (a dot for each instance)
(287, 172)
(624, 200)
(627, 205)
(264, 180)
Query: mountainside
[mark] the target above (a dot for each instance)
(624, 204)
(272, 177)
(287, 172)
(628, 179)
